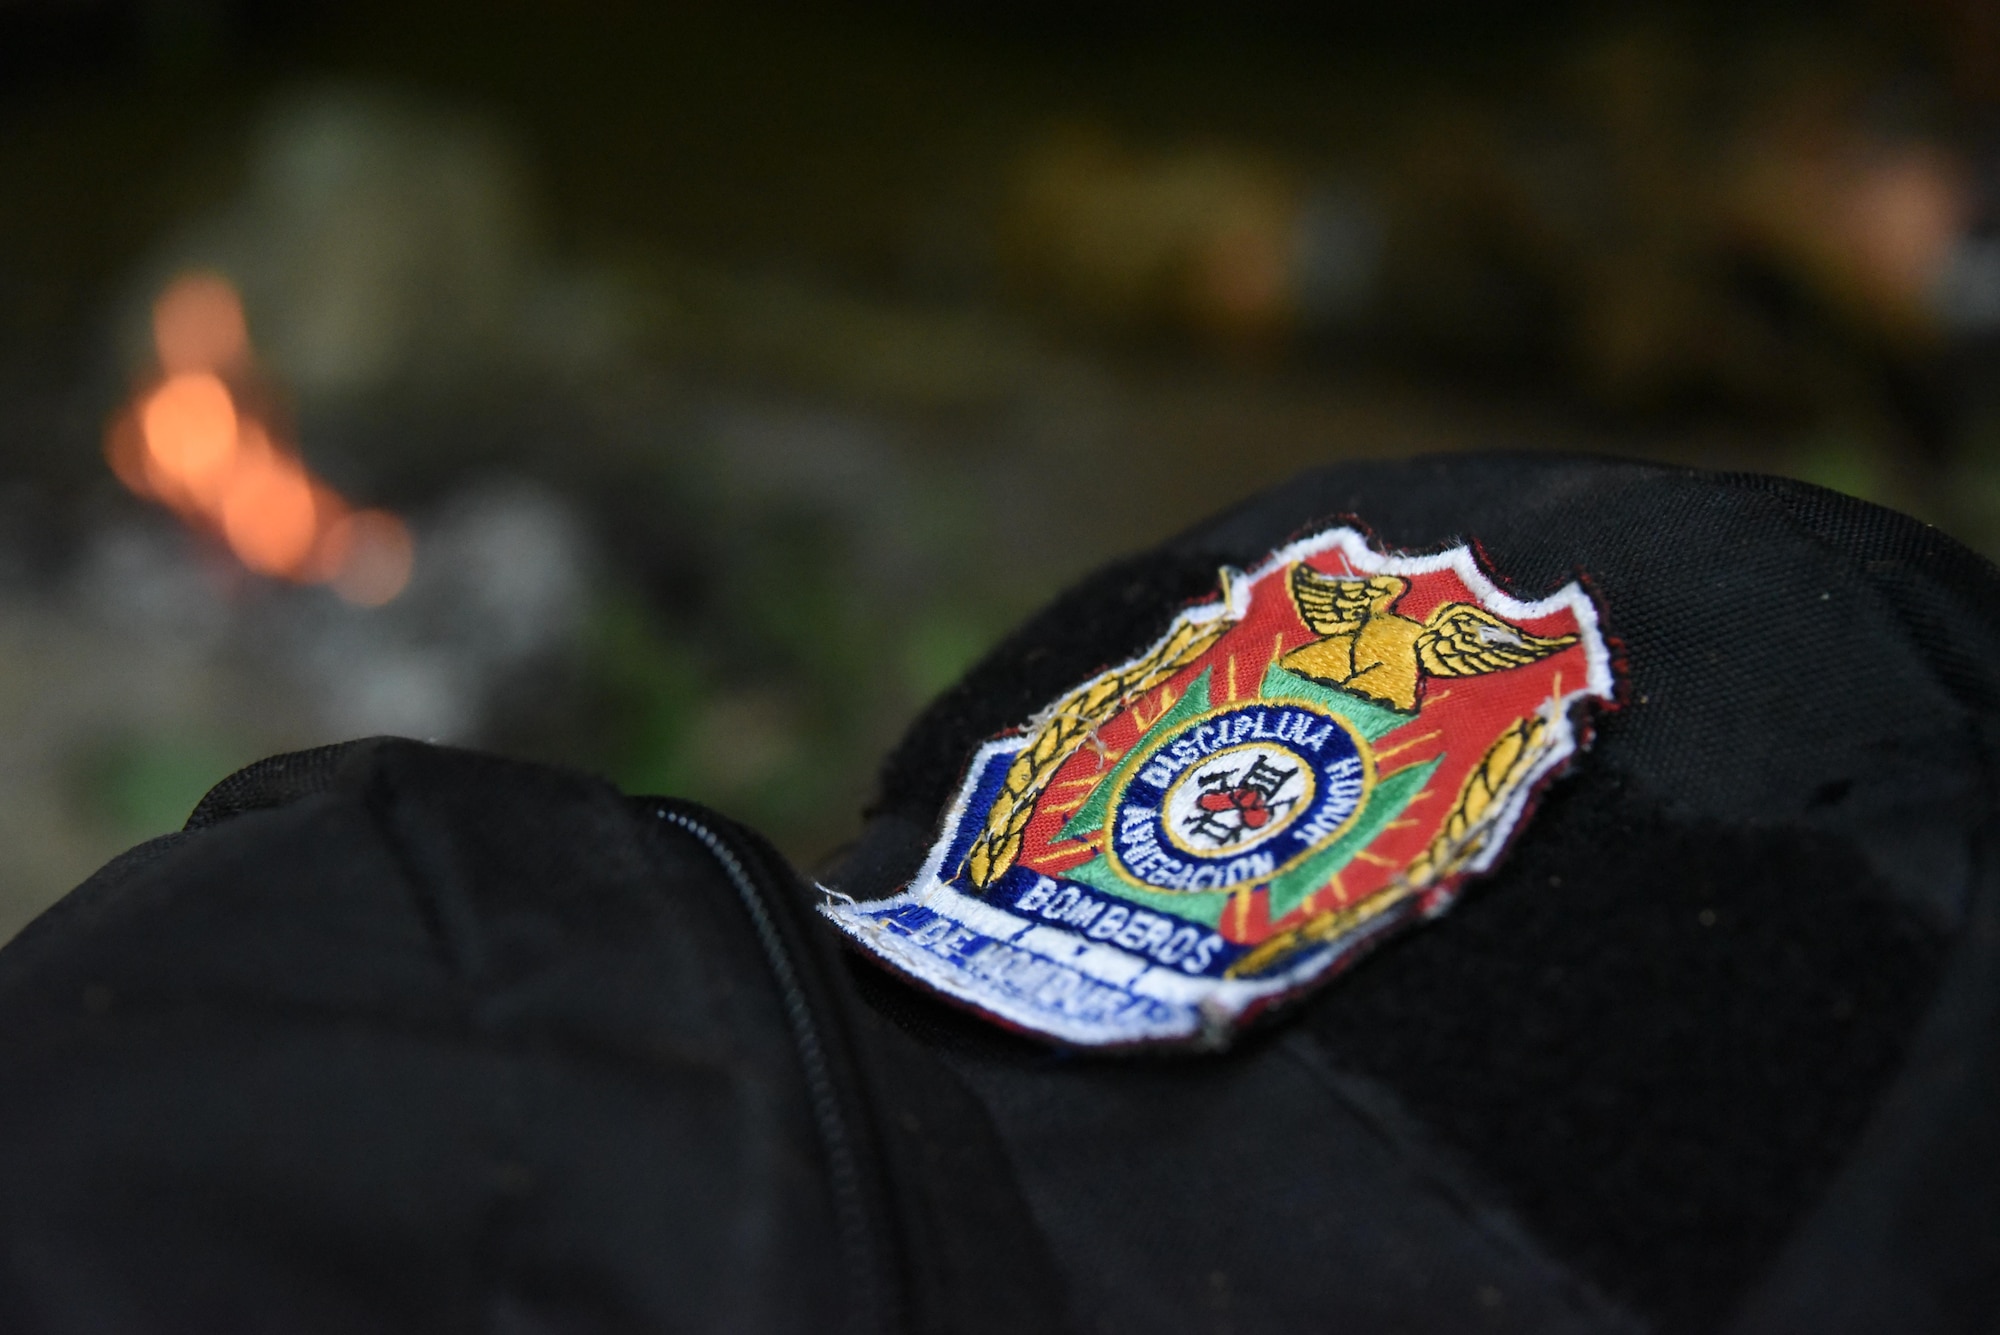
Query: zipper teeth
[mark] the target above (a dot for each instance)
(856, 1237)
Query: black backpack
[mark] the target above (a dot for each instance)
(399, 1037)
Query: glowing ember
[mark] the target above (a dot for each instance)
(190, 429)
(372, 556)
(189, 443)
(268, 514)
(198, 326)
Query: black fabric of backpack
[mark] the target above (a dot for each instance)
(397, 1037)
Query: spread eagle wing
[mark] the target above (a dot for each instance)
(1460, 640)
(1333, 606)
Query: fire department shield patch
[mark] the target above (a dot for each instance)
(1321, 753)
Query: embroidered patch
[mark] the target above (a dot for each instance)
(1322, 753)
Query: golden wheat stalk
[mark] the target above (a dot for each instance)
(1063, 728)
(1506, 764)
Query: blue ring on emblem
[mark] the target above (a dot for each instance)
(1236, 795)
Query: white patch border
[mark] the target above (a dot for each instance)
(1206, 1010)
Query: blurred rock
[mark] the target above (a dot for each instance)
(155, 665)
(1967, 293)
(500, 592)
(1223, 240)
(380, 240)
(1872, 223)
(1337, 251)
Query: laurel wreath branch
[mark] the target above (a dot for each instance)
(1473, 820)
(1063, 728)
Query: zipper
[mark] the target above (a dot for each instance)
(861, 1262)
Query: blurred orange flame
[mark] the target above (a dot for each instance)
(198, 325)
(189, 443)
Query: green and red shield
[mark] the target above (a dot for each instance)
(1325, 750)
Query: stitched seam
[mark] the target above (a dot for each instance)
(435, 885)
(856, 1242)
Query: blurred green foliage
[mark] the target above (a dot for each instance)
(141, 784)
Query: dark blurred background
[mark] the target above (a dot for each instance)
(688, 391)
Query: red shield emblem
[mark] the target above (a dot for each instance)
(1326, 750)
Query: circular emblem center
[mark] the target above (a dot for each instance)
(1238, 798)
(1237, 794)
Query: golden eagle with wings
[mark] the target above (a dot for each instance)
(1370, 650)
